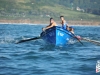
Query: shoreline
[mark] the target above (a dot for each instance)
(30, 22)
(45, 24)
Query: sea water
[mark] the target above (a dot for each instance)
(38, 58)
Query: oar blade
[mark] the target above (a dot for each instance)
(20, 41)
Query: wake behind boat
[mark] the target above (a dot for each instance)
(56, 35)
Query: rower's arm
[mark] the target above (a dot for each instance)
(49, 26)
(53, 24)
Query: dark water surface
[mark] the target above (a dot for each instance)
(38, 58)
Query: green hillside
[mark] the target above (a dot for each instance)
(43, 9)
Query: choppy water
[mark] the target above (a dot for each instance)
(38, 58)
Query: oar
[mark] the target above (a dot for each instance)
(25, 40)
(78, 40)
(93, 41)
(74, 36)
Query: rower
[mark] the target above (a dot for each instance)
(63, 22)
(65, 25)
(52, 23)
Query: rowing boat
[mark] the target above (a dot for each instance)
(56, 35)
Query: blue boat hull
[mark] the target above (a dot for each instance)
(56, 35)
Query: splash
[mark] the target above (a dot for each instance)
(72, 41)
(7, 39)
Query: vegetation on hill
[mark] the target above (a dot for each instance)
(42, 9)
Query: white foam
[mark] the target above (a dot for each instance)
(47, 24)
(22, 24)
